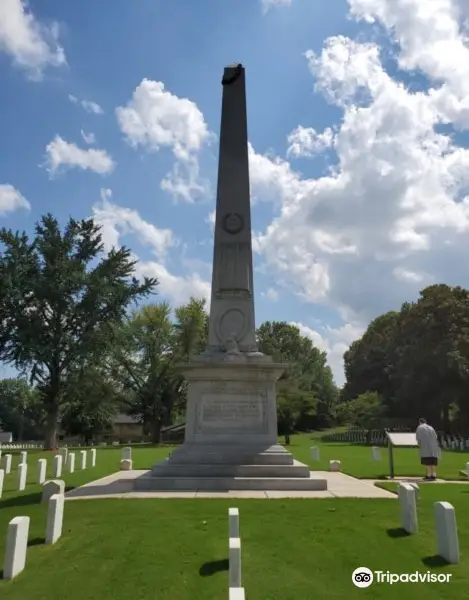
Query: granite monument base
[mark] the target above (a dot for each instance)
(231, 436)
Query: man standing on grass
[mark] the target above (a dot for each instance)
(429, 448)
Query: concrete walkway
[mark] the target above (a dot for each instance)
(419, 480)
(120, 485)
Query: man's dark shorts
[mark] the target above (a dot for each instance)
(429, 461)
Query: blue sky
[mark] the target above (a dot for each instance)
(101, 102)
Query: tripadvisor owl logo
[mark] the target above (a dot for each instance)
(362, 577)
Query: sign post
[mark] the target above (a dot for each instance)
(402, 440)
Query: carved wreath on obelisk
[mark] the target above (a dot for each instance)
(233, 223)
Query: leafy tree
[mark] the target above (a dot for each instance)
(143, 365)
(307, 370)
(366, 411)
(92, 402)
(417, 360)
(432, 355)
(21, 411)
(367, 361)
(191, 328)
(296, 408)
(55, 307)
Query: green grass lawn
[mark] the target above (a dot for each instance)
(177, 549)
(357, 459)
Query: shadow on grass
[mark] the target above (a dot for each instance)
(397, 532)
(37, 541)
(214, 566)
(21, 500)
(435, 561)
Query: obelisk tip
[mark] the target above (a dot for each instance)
(231, 73)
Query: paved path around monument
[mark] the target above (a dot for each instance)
(119, 485)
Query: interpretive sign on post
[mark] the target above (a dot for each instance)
(400, 440)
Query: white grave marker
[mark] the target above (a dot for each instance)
(71, 462)
(22, 475)
(237, 594)
(447, 532)
(407, 501)
(51, 487)
(416, 489)
(55, 517)
(233, 522)
(83, 459)
(126, 464)
(64, 454)
(16, 546)
(93, 457)
(41, 470)
(376, 453)
(7, 463)
(58, 465)
(2, 479)
(314, 453)
(235, 563)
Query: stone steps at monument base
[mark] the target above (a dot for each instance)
(234, 458)
(230, 454)
(169, 469)
(223, 484)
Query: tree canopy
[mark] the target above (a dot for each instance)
(59, 294)
(417, 359)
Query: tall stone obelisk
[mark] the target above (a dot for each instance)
(232, 302)
(231, 417)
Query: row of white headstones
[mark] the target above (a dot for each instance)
(53, 493)
(445, 520)
(375, 453)
(59, 459)
(236, 590)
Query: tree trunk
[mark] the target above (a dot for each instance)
(156, 430)
(21, 428)
(50, 441)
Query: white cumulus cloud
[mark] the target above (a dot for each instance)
(393, 215)
(11, 199)
(306, 141)
(88, 138)
(61, 154)
(268, 4)
(155, 118)
(117, 222)
(32, 45)
(334, 342)
(89, 106)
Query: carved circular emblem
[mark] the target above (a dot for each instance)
(233, 223)
(232, 323)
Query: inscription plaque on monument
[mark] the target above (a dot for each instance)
(233, 412)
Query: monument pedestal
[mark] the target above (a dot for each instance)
(231, 435)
